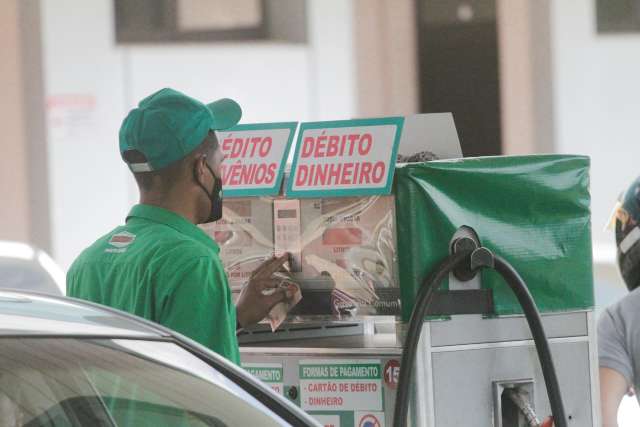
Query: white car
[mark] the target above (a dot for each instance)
(24, 267)
(66, 362)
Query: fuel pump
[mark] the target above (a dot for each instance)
(415, 309)
(464, 262)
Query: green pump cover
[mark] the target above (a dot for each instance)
(531, 210)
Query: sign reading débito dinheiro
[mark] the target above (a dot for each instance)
(348, 157)
(340, 385)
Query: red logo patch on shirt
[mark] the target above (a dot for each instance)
(122, 239)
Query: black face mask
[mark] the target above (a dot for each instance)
(215, 197)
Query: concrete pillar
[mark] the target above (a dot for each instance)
(24, 192)
(386, 58)
(14, 185)
(524, 43)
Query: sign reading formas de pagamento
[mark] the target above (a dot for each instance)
(340, 385)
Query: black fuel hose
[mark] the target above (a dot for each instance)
(414, 330)
(520, 289)
(423, 300)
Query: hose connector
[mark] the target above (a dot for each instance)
(480, 257)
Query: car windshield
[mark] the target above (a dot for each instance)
(117, 382)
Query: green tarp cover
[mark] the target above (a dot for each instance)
(531, 210)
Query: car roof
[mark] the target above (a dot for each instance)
(32, 314)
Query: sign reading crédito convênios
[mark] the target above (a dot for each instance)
(255, 156)
(349, 157)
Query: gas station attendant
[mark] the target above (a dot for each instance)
(160, 265)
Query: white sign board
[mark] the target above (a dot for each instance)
(255, 157)
(340, 385)
(434, 133)
(269, 373)
(348, 157)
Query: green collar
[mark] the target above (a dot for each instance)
(173, 220)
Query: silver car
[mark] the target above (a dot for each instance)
(65, 362)
(25, 267)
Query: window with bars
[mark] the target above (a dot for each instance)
(618, 16)
(175, 21)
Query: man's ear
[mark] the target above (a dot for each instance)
(199, 168)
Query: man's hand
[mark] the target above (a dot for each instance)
(262, 292)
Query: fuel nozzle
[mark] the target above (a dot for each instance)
(519, 407)
(479, 257)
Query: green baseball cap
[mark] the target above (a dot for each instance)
(168, 125)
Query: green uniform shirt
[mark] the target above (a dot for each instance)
(164, 268)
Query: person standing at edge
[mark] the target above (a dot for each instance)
(618, 324)
(160, 265)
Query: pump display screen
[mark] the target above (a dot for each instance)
(287, 213)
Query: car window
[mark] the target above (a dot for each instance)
(46, 382)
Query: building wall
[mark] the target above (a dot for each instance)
(386, 58)
(524, 42)
(91, 83)
(85, 98)
(596, 99)
(14, 180)
(565, 89)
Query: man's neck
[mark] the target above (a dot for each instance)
(174, 204)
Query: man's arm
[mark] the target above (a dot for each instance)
(616, 372)
(613, 387)
(197, 303)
